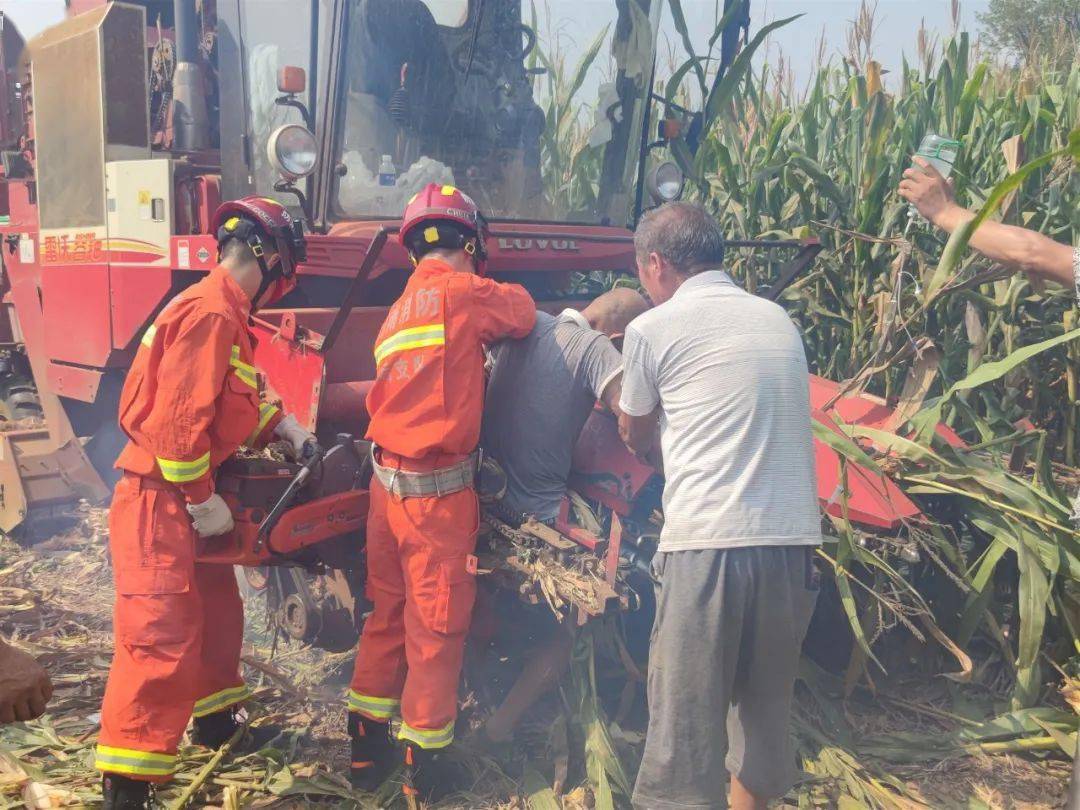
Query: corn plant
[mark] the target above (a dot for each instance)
(894, 309)
(888, 300)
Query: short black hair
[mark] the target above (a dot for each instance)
(448, 236)
(236, 250)
(684, 234)
(240, 252)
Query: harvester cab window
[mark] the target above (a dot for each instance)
(449, 13)
(481, 94)
(274, 35)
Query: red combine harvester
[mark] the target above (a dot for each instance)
(122, 129)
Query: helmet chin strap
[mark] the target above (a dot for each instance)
(268, 276)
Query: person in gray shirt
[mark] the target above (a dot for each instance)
(541, 391)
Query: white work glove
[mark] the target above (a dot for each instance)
(211, 517)
(289, 430)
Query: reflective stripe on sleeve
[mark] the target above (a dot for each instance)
(377, 708)
(427, 738)
(136, 763)
(180, 472)
(416, 337)
(244, 371)
(266, 413)
(220, 700)
(148, 335)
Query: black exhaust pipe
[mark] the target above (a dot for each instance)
(191, 124)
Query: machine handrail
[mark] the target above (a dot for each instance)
(356, 286)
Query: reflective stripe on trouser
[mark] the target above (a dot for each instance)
(220, 700)
(427, 738)
(374, 708)
(413, 648)
(178, 628)
(134, 763)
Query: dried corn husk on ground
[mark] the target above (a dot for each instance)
(61, 611)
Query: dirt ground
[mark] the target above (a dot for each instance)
(55, 600)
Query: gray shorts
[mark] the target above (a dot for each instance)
(726, 644)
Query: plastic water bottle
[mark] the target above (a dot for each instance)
(387, 172)
(940, 152)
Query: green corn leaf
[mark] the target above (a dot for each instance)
(929, 417)
(1035, 582)
(844, 446)
(671, 89)
(539, 793)
(582, 69)
(679, 19)
(724, 88)
(822, 182)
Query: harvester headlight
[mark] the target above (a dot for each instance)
(665, 182)
(292, 151)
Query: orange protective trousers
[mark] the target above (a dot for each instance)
(419, 577)
(179, 626)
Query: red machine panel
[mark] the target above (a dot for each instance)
(603, 468)
(136, 294)
(295, 373)
(78, 297)
(872, 500)
(74, 382)
(863, 409)
(514, 247)
(351, 359)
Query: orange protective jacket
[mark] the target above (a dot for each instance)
(428, 392)
(191, 397)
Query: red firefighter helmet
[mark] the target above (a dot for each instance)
(264, 225)
(444, 216)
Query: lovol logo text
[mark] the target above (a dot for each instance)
(538, 244)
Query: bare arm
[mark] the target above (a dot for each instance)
(611, 394)
(638, 433)
(25, 687)
(1020, 248)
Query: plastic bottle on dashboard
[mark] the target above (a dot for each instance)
(387, 172)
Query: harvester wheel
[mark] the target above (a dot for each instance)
(18, 394)
(296, 619)
(255, 577)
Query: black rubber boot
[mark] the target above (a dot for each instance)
(121, 793)
(214, 730)
(424, 775)
(373, 753)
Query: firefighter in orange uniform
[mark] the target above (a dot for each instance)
(190, 399)
(425, 408)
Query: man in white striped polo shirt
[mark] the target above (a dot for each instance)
(724, 374)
